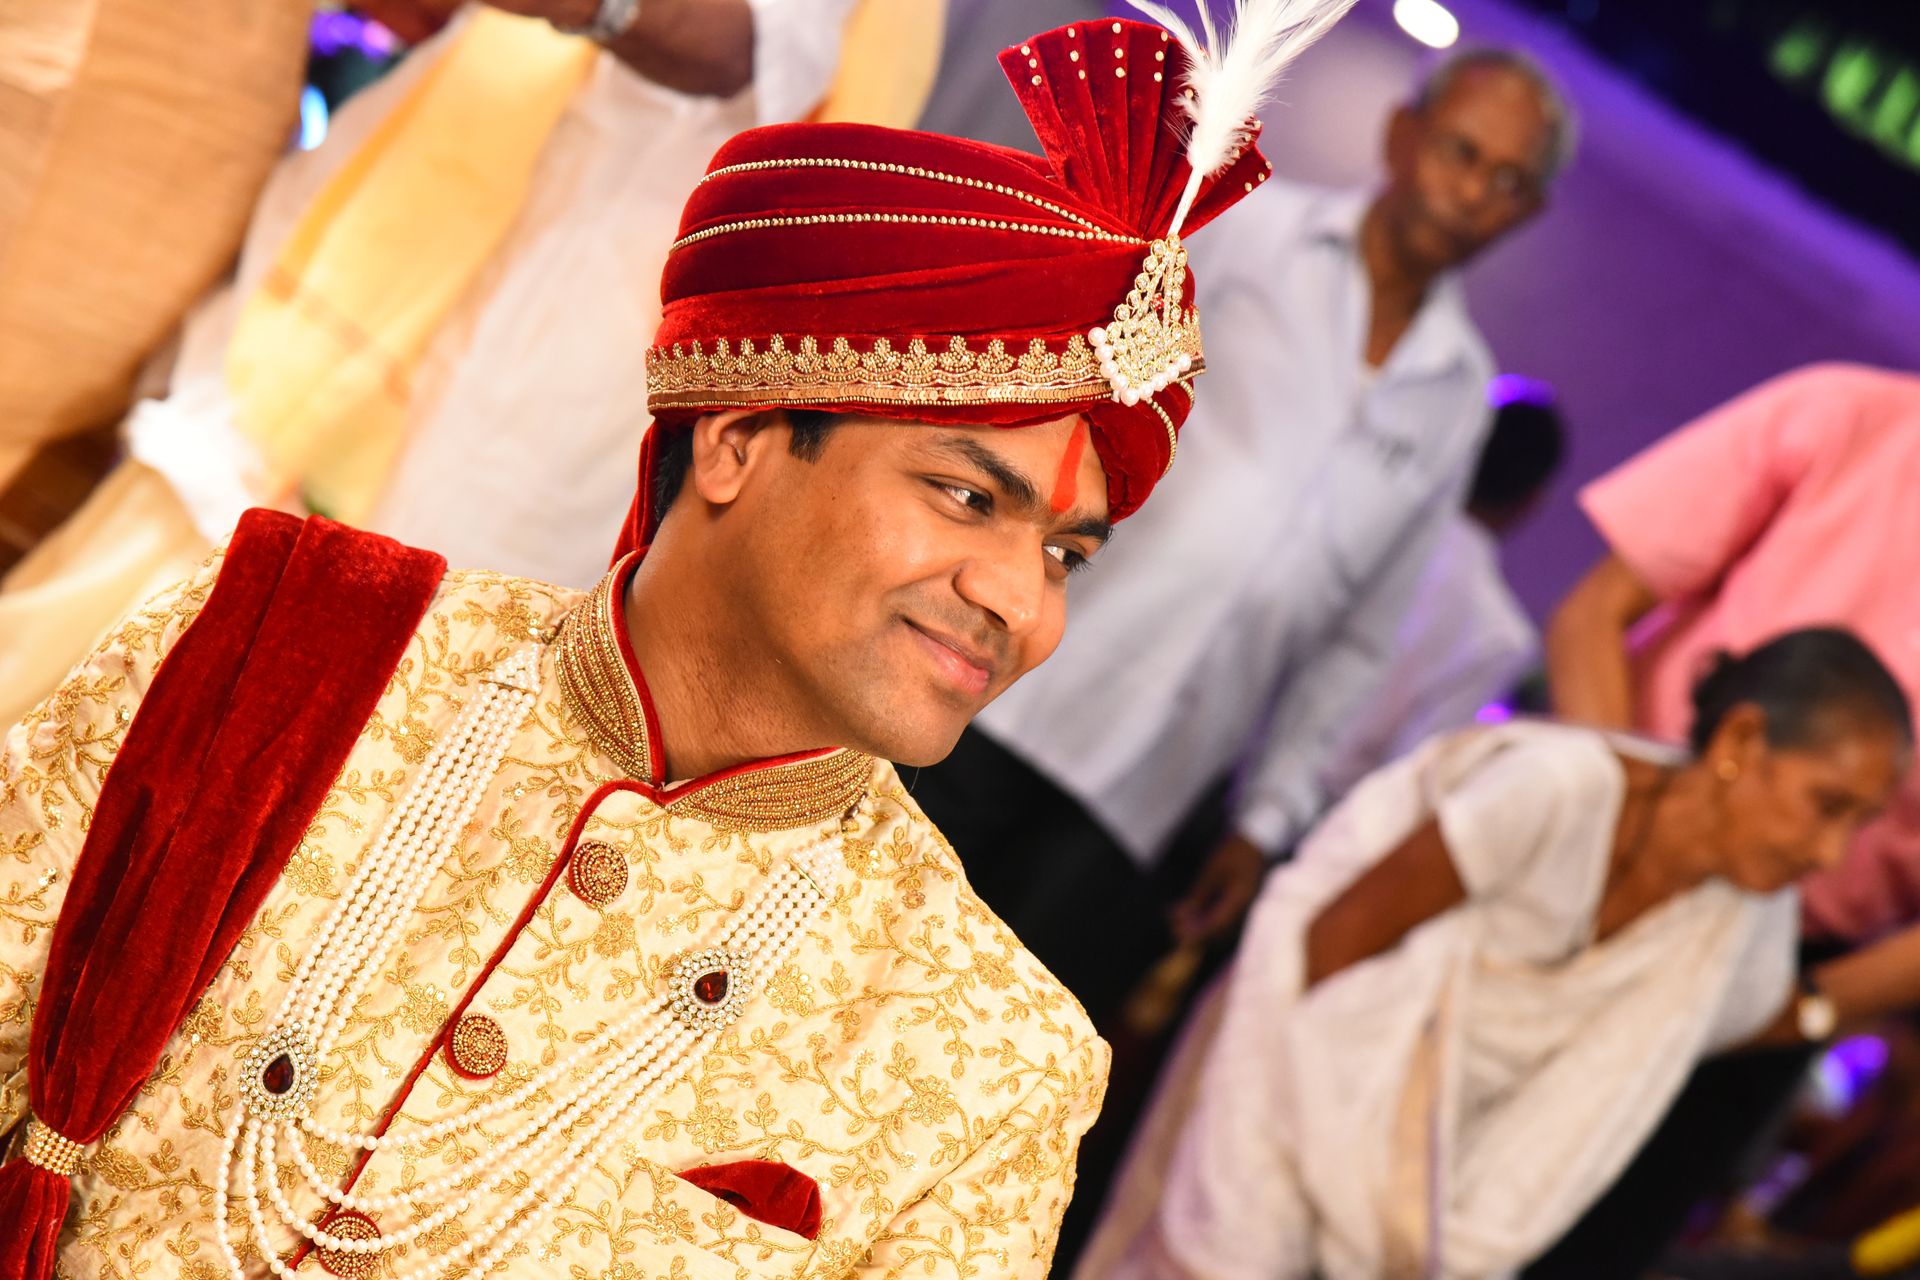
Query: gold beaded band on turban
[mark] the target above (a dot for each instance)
(54, 1152)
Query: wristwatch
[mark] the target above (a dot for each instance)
(613, 19)
(1814, 1013)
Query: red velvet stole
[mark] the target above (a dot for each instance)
(249, 720)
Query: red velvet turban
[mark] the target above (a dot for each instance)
(909, 275)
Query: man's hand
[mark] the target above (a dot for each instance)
(561, 13)
(1221, 895)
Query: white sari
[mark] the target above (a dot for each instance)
(1451, 1106)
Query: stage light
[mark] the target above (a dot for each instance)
(1517, 388)
(313, 118)
(1428, 21)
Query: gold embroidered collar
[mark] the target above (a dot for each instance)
(600, 682)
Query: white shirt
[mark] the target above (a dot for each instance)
(1464, 642)
(1262, 582)
(528, 407)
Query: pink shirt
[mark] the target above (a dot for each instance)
(1797, 504)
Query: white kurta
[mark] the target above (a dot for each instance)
(1247, 608)
(1449, 1107)
(528, 407)
(1464, 642)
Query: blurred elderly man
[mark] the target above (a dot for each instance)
(1250, 624)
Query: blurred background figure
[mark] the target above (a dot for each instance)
(1456, 1014)
(1793, 504)
(1466, 642)
(439, 319)
(1348, 403)
(107, 108)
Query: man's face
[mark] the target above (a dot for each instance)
(908, 574)
(1467, 170)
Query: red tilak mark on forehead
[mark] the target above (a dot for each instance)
(1066, 485)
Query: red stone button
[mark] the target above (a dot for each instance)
(597, 873)
(349, 1225)
(278, 1076)
(478, 1047)
(711, 988)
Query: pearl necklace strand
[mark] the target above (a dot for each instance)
(615, 1077)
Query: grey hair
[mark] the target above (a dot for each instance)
(1563, 125)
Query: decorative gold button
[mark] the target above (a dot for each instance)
(349, 1225)
(598, 873)
(478, 1047)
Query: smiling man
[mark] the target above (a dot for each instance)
(437, 924)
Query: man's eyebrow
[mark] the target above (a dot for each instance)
(1092, 527)
(1018, 489)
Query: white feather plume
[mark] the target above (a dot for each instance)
(1233, 77)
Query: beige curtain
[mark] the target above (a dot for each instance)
(134, 138)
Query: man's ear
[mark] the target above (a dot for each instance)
(729, 447)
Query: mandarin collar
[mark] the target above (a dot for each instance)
(603, 688)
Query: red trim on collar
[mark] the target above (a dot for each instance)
(617, 602)
(665, 793)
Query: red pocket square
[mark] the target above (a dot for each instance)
(766, 1191)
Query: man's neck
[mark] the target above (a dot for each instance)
(1396, 287)
(709, 707)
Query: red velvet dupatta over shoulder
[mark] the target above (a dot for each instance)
(233, 749)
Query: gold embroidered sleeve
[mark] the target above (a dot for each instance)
(998, 1212)
(52, 765)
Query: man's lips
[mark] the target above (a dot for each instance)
(966, 668)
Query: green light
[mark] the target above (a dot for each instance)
(1850, 81)
(1893, 115)
(1800, 50)
(1871, 90)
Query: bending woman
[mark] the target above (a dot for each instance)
(1457, 1015)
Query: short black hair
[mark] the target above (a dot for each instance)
(810, 430)
(1523, 450)
(1796, 679)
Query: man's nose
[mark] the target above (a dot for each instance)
(1009, 584)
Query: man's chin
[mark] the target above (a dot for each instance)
(913, 748)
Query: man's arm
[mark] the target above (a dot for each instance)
(701, 47)
(1281, 792)
(997, 1213)
(1588, 675)
(52, 765)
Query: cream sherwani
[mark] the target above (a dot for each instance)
(910, 1057)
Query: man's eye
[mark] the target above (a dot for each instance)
(972, 499)
(1069, 558)
(1511, 182)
